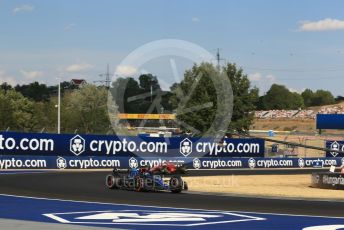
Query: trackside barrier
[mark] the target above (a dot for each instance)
(41, 144)
(66, 151)
(335, 145)
(88, 162)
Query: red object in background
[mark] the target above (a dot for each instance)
(171, 168)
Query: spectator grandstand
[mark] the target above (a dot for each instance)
(299, 114)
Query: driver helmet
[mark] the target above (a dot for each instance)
(134, 172)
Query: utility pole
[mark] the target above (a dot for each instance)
(59, 107)
(107, 80)
(151, 93)
(218, 59)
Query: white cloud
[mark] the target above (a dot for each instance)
(23, 8)
(125, 70)
(293, 90)
(260, 77)
(70, 27)
(31, 75)
(270, 78)
(262, 81)
(255, 77)
(4, 77)
(78, 67)
(195, 19)
(322, 25)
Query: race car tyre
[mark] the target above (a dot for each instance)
(113, 182)
(176, 184)
(139, 184)
(181, 170)
(110, 181)
(186, 186)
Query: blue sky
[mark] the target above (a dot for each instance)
(295, 43)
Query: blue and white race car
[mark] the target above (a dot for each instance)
(164, 177)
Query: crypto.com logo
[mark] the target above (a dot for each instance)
(61, 163)
(334, 146)
(185, 147)
(301, 162)
(251, 163)
(172, 53)
(133, 163)
(77, 145)
(196, 163)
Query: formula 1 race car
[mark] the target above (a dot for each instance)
(164, 177)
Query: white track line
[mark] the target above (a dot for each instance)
(151, 206)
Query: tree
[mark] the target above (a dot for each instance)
(5, 86)
(322, 97)
(67, 85)
(150, 87)
(205, 92)
(260, 103)
(308, 96)
(34, 91)
(6, 111)
(317, 98)
(123, 89)
(297, 100)
(86, 110)
(245, 99)
(339, 98)
(46, 115)
(279, 97)
(166, 102)
(17, 112)
(148, 81)
(135, 97)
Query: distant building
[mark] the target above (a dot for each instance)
(78, 82)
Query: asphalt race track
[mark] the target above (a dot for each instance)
(89, 186)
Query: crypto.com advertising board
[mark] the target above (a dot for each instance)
(8, 162)
(42, 144)
(334, 145)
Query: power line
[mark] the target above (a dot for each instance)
(107, 75)
(330, 69)
(309, 79)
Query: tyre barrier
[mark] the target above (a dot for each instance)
(328, 180)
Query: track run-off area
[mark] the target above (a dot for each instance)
(81, 198)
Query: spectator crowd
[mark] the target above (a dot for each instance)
(299, 114)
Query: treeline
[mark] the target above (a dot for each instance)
(33, 107)
(197, 100)
(83, 110)
(280, 97)
(38, 92)
(136, 96)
